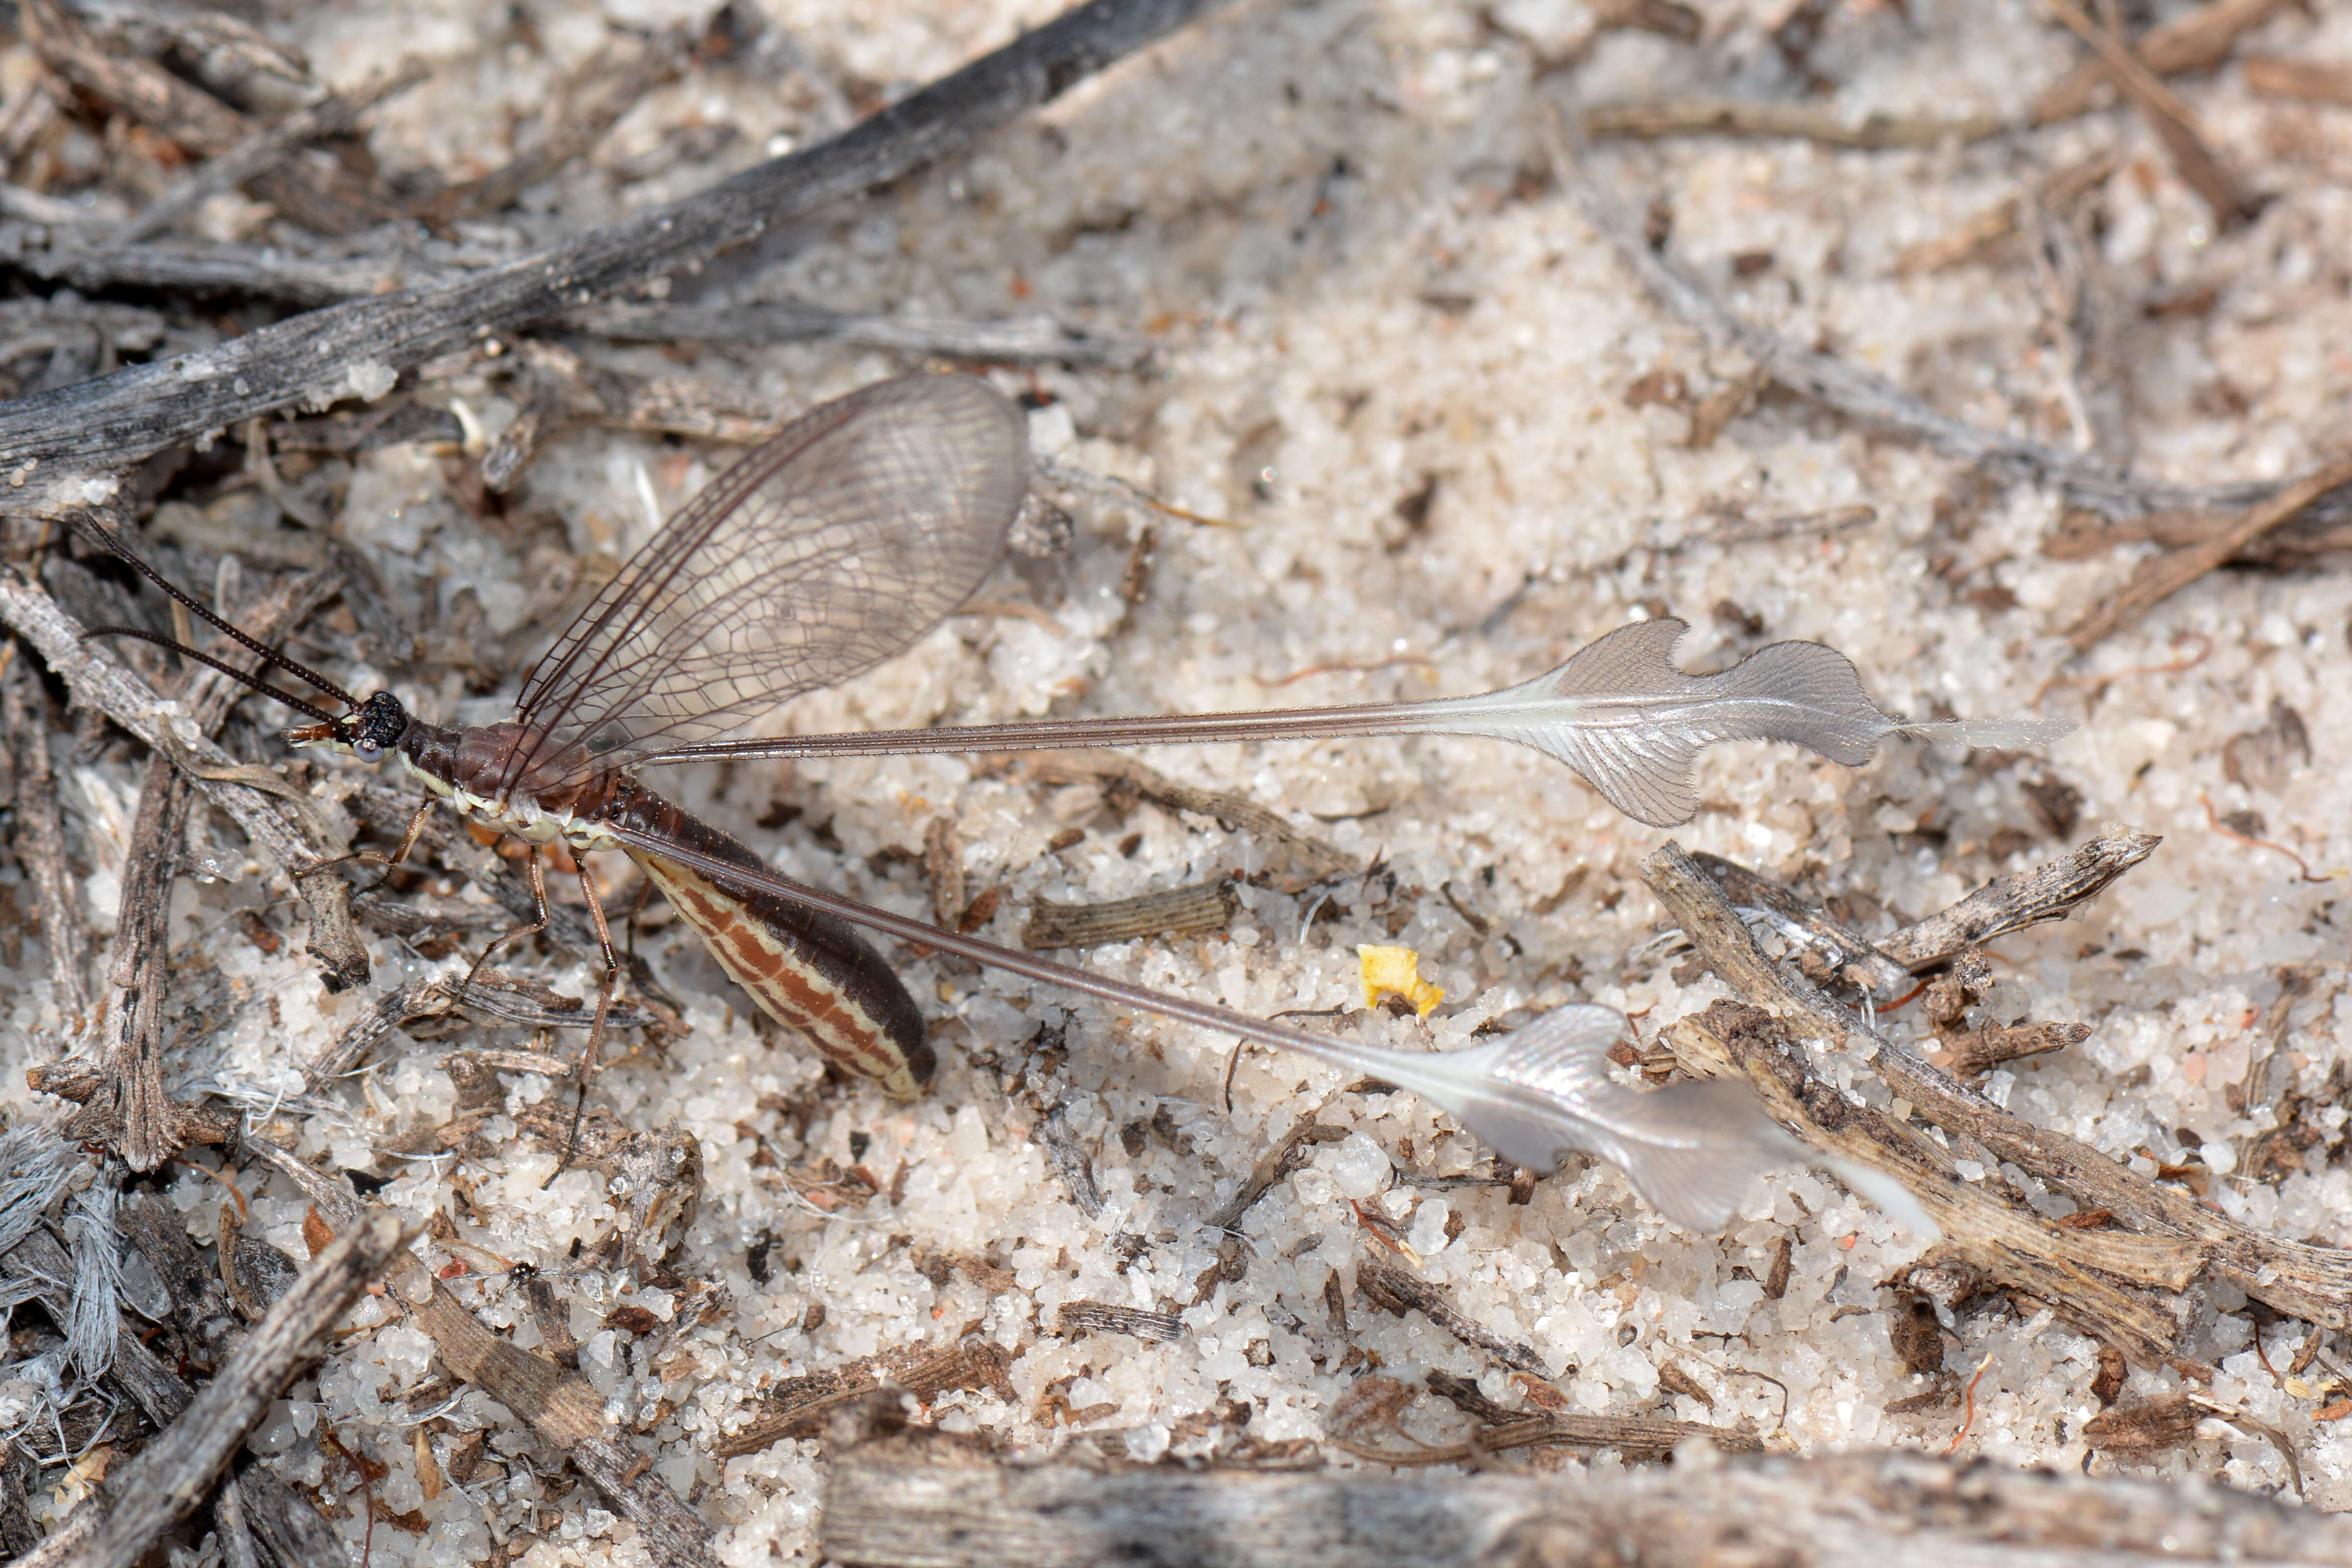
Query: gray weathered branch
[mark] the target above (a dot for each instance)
(940, 1504)
(106, 425)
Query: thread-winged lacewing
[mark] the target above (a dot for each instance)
(847, 536)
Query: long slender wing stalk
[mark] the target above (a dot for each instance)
(1537, 1093)
(1618, 713)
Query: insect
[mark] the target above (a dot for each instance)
(838, 543)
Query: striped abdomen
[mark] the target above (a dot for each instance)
(807, 970)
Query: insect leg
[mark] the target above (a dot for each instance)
(592, 1055)
(369, 856)
(539, 903)
(636, 908)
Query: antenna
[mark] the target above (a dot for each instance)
(107, 537)
(250, 683)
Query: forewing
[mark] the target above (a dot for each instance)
(821, 554)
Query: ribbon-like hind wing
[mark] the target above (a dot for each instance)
(1689, 1149)
(821, 554)
(1625, 717)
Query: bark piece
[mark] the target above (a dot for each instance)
(1172, 911)
(2176, 1237)
(168, 1479)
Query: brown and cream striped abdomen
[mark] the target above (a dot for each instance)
(807, 970)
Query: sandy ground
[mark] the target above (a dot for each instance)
(1446, 430)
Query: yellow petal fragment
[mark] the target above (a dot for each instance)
(1396, 970)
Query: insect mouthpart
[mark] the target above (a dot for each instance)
(369, 734)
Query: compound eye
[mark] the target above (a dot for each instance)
(367, 753)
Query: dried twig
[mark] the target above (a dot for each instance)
(1072, 1318)
(1745, 117)
(198, 267)
(265, 150)
(1864, 395)
(2192, 153)
(2164, 575)
(2011, 902)
(2016, 900)
(1998, 222)
(924, 1371)
(566, 1413)
(2305, 80)
(172, 1476)
(118, 420)
(324, 196)
(2178, 1236)
(129, 1110)
(274, 824)
(41, 845)
(1017, 341)
(1392, 1285)
(2196, 40)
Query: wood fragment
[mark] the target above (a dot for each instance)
(1633, 1436)
(2159, 578)
(1172, 911)
(909, 1500)
(2192, 153)
(799, 1403)
(323, 196)
(1388, 1284)
(263, 151)
(1745, 117)
(110, 423)
(2321, 530)
(2194, 40)
(2016, 900)
(39, 845)
(1979, 1052)
(2174, 1233)
(1074, 1318)
(168, 1479)
(2305, 80)
(204, 268)
(2048, 891)
(565, 1412)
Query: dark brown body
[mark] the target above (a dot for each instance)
(807, 970)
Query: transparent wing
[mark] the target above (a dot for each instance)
(821, 554)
